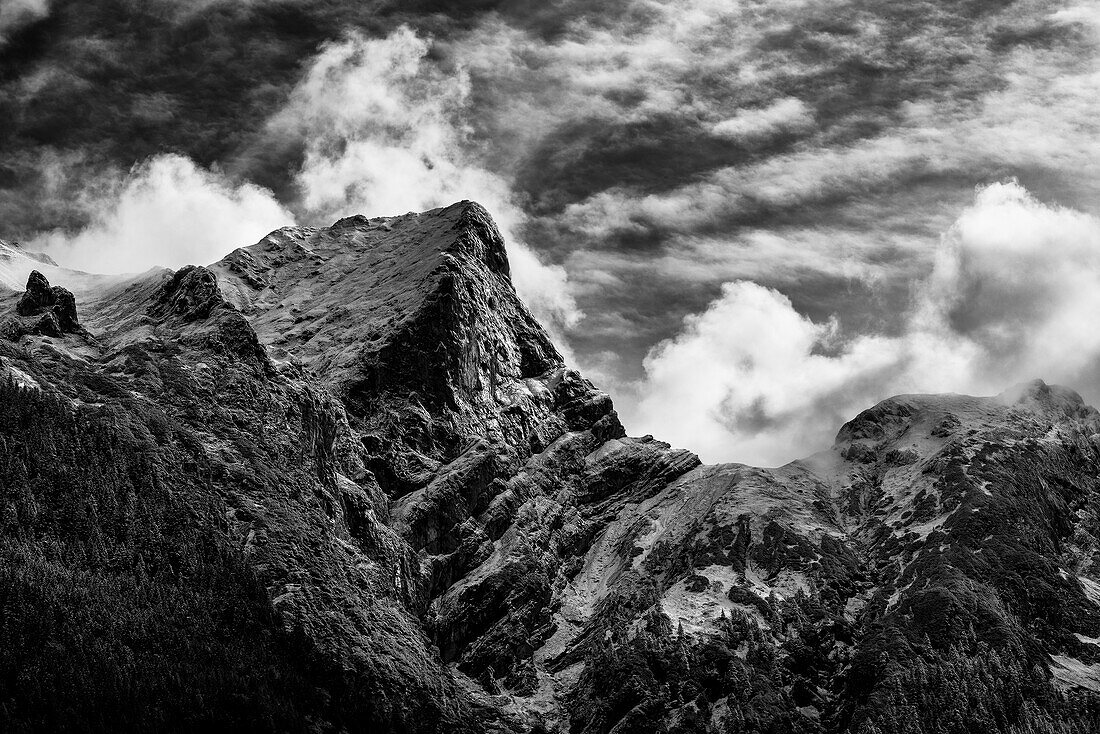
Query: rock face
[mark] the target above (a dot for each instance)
(341, 480)
(47, 311)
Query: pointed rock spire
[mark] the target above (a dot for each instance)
(55, 304)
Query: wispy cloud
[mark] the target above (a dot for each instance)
(166, 212)
(753, 125)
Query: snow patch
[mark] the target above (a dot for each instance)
(924, 529)
(20, 378)
(698, 611)
(1071, 673)
(647, 540)
(896, 596)
(1091, 589)
(858, 603)
(785, 585)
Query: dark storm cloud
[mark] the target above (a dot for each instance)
(644, 104)
(780, 173)
(864, 129)
(114, 82)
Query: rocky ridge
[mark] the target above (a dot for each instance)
(451, 530)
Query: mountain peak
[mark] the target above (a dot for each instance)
(1039, 397)
(330, 297)
(367, 416)
(43, 310)
(484, 242)
(398, 315)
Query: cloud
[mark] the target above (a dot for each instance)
(385, 134)
(834, 208)
(1019, 280)
(1085, 15)
(782, 116)
(377, 123)
(168, 212)
(14, 14)
(739, 194)
(743, 380)
(788, 255)
(656, 90)
(808, 153)
(1042, 116)
(1012, 296)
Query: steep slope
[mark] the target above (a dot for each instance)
(354, 446)
(353, 519)
(180, 373)
(934, 571)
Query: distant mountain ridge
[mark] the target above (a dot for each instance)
(342, 480)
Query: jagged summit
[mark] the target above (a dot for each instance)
(1052, 400)
(893, 418)
(356, 441)
(59, 303)
(410, 246)
(398, 315)
(432, 227)
(329, 297)
(42, 309)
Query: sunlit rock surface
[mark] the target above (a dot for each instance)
(347, 481)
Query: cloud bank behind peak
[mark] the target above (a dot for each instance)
(668, 174)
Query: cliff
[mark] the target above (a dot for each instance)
(341, 480)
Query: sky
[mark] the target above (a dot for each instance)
(747, 221)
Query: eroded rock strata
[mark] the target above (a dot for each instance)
(341, 480)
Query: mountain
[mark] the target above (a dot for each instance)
(341, 480)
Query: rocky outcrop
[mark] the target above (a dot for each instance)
(37, 297)
(427, 344)
(190, 293)
(451, 531)
(45, 310)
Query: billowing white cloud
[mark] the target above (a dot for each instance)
(169, 212)
(1086, 15)
(1013, 296)
(829, 182)
(1019, 281)
(16, 13)
(749, 378)
(377, 123)
(384, 135)
(746, 381)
